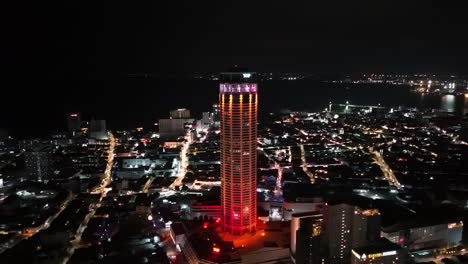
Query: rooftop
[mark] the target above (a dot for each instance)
(381, 245)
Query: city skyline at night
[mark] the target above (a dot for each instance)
(132, 133)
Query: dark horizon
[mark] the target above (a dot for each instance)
(62, 56)
(143, 105)
(65, 40)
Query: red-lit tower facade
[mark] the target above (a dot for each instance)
(238, 101)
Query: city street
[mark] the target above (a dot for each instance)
(76, 243)
(387, 171)
(33, 230)
(184, 161)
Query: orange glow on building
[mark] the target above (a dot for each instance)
(238, 152)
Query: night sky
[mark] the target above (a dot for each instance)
(50, 47)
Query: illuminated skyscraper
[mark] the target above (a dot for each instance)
(238, 100)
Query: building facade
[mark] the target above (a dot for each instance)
(206, 119)
(74, 122)
(216, 111)
(181, 113)
(170, 128)
(306, 238)
(238, 100)
(347, 226)
(97, 129)
(420, 235)
(380, 252)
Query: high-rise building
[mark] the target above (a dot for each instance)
(171, 128)
(181, 113)
(348, 226)
(38, 163)
(216, 115)
(206, 119)
(238, 100)
(3, 134)
(97, 129)
(306, 238)
(74, 122)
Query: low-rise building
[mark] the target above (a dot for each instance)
(380, 252)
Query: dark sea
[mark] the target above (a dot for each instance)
(134, 102)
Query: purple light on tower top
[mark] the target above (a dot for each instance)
(238, 88)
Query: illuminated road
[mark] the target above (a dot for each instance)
(33, 230)
(102, 189)
(303, 158)
(46, 224)
(388, 173)
(108, 172)
(147, 185)
(278, 191)
(379, 160)
(276, 166)
(304, 165)
(280, 176)
(423, 149)
(183, 160)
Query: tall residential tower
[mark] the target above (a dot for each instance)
(238, 101)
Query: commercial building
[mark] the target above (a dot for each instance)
(38, 162)
(419, 233)
(239, 102)
(203, 211)
(199, 242)
(74, 122)
(171, 128)
(135, 163)
(134, 168)
(181, 113)
(380, 252)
